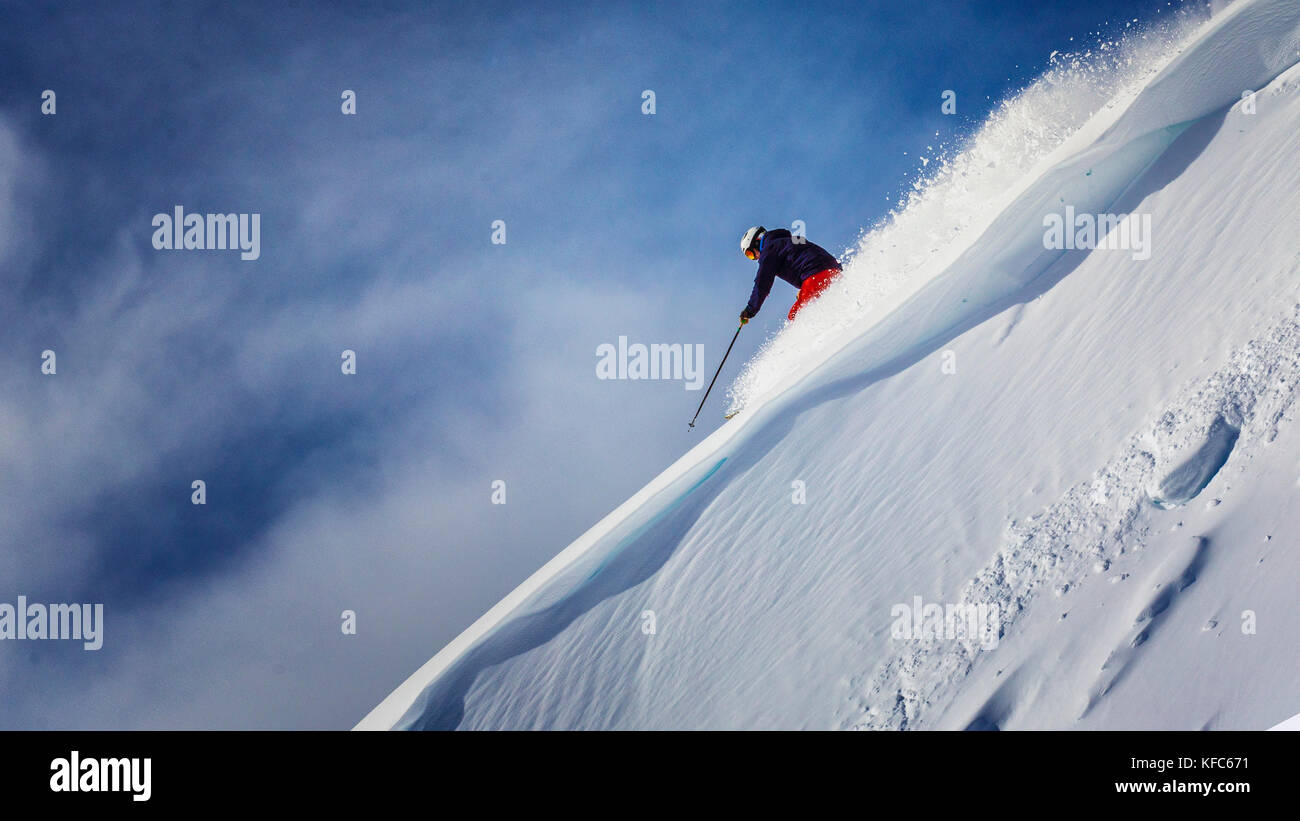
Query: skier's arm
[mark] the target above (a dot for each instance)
(762, 284)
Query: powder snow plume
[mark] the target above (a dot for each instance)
(960, 190)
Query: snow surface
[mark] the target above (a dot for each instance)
(1113, 466)
(1292, 723)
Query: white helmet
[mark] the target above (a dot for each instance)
(749, 242)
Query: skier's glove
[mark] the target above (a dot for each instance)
(744, 315)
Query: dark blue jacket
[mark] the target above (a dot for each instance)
(780, 256)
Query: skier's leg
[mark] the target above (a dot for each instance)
(812, 288)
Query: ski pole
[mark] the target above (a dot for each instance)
(715, 377)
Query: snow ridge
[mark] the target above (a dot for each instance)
(549, 654)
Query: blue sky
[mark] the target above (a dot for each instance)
(476, 361)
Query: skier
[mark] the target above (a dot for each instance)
(806, 266)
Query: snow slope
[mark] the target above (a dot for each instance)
(1292, 723)
(1101, 449)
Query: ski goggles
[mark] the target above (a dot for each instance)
(752, 253)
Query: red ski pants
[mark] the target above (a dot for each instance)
(812, 287)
